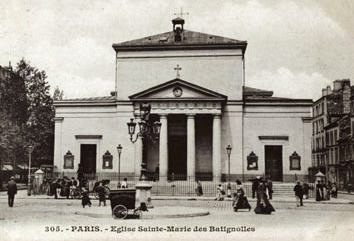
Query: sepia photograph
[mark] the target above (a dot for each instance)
(176, 120)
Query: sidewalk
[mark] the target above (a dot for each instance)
(22, 194)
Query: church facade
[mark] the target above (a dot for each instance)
(194, 84)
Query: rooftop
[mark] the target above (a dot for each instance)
(187, 39)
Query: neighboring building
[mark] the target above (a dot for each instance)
(194, 83)
(332, 148)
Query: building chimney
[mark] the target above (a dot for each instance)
(337, 85)
(329, 90)
(324, 92)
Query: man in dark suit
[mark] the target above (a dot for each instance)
(11, 191)
(298, 194)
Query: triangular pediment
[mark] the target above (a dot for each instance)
(177, 89)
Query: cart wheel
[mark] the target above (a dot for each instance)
(120, 211)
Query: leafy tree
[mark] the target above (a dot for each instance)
(40, 112)
(13, 116)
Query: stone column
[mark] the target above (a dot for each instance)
(191, 145)
(163, 148)
(138, 156)
(216, 147)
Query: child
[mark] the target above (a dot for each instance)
(85, 198)
(220, 193)
(124, 183)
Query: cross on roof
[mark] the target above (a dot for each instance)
(177, 68)
(181, 13)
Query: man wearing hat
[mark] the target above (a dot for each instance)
(11, 191)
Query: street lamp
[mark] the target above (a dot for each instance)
(119, 149)
(147, 129)
(30, 150)
(228, 151)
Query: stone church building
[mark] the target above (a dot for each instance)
(195, 85)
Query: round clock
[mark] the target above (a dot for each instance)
(177, 91)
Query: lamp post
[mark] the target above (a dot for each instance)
(147, 130)
(30, 150)
(228, 151)
(119, 149)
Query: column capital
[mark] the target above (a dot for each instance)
(190, 115)
(217, 116)
(163, 115)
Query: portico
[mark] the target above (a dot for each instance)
(180, 107)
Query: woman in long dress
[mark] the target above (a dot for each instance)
(263, 204)
(240, 200)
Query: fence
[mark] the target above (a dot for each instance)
(185, 185)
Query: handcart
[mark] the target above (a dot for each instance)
(123, 203)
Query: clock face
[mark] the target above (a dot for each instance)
(177, 92)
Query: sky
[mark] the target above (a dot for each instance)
(295, 48)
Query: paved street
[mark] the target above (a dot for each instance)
(40, 219)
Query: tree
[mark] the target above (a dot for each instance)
(40, 112)
(13, 116)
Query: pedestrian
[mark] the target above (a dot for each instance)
(101, 194)
(85, 200)
(220, 192)
(73, 187)
(199, 188)
(67, 186)
(305, 189)
(318, 191)
(11, 191)
(56, 188)
(124, 183)
(324, 190)
(334, 190)
(298, 194)
(263, 204)
(80, 174)
(269, 186)
(240, 200)
(328, 190)
(255, 184)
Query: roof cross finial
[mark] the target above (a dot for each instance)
(181, 13)
(177, 68)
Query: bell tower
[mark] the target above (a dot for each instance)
(178, 28)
